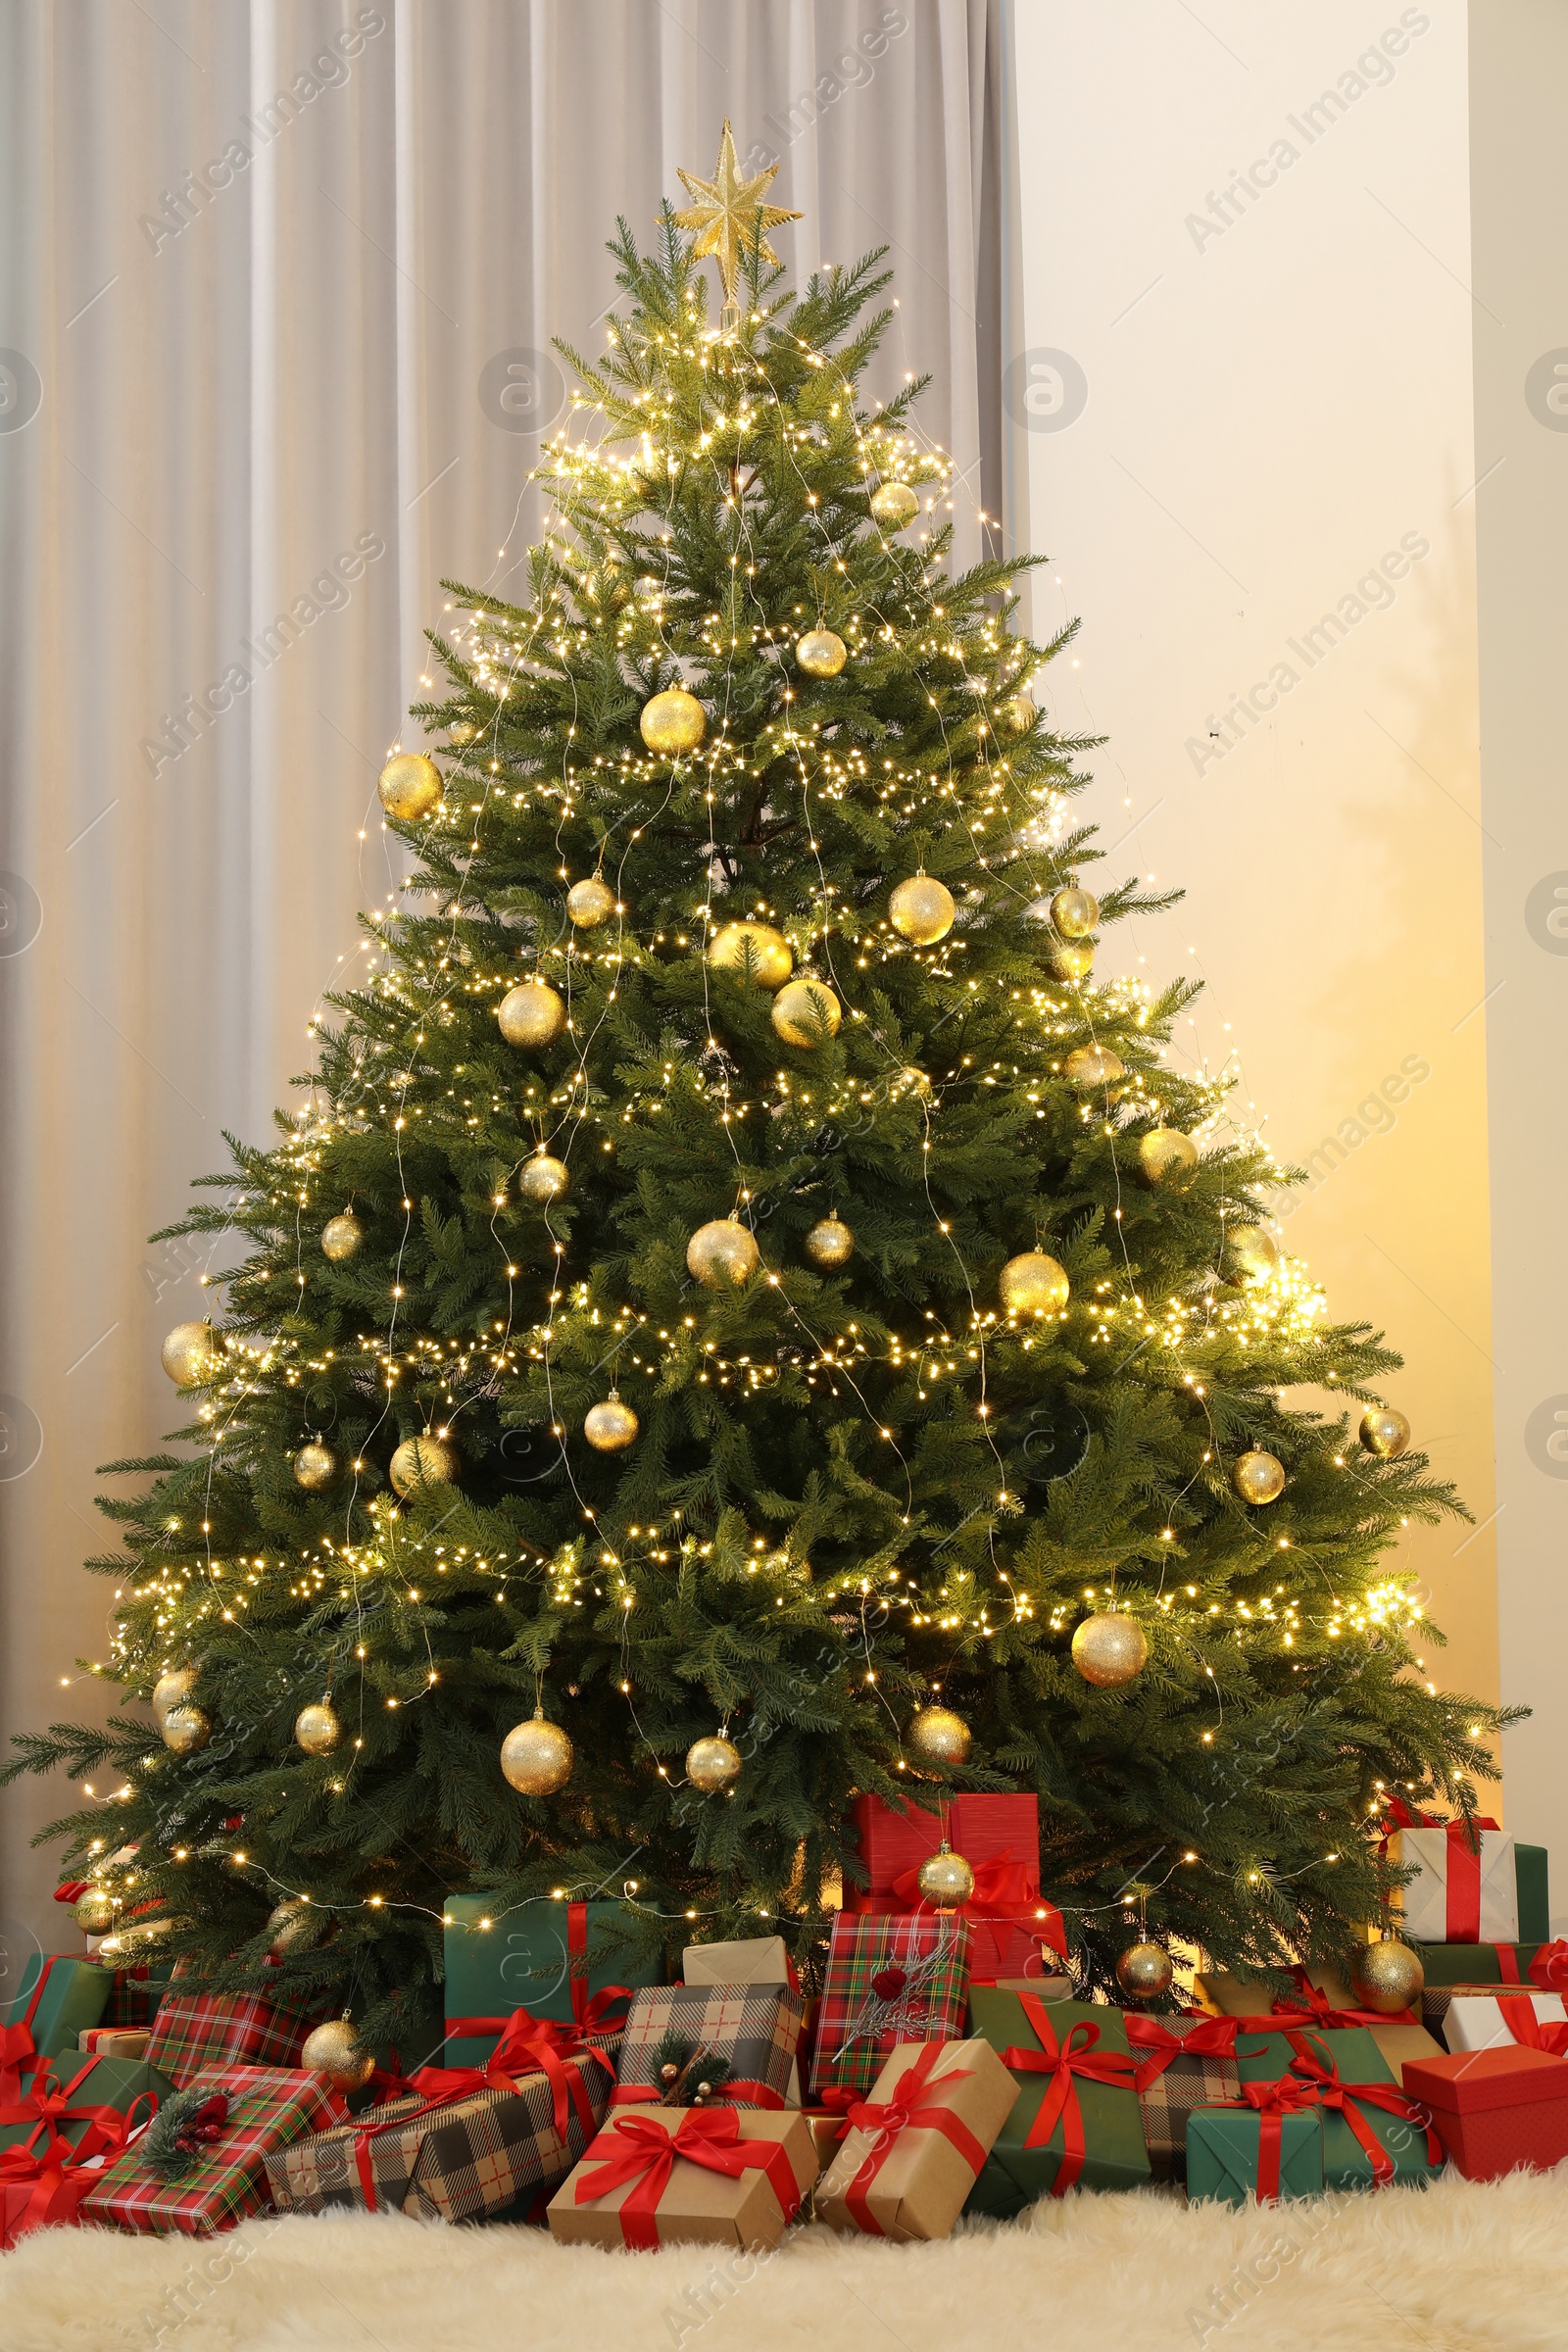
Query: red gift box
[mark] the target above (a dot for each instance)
(999, 1837)
(1495, 2111)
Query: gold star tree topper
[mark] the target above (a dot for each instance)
(729, 214)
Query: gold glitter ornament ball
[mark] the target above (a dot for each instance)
(536, 1757)
(423, 1461)
(1387, 1977)
(804, 1012)
(1167, 1156)
(1019, 714)
(938, 1736)
(822, 654)
(921, 909)
(543, 1180)
(1033, 1284)
(945, 1879)
(410, 786)
(1385, 1432)
(830, 1243)
(462, 731)
(1251, 1253)
(316, 1467)
(1092, 1065)
(713, 1764)
(316, 1728)
(341, 1236)
(1259, 1477)
(753, 949)
(1109, 1649)
(185, 1728)
(895, 505)
(172, 1689)
(590, 904)
(293, 1927)
(1070, 959)
(94, 1911)
(187, 1357)
(1143, 1972)
(672, 723)
(336, 2052)
(531, 1014)
(610, 1427)
(723, 1255)
(1075, 912)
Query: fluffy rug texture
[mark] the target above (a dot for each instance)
(1450, 2268)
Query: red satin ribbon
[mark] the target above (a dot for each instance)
(1272, 2100)
(1549, 1969)
(1310, 2006)
(634, 2148)
(1064, 2062)
(1006, 1893)
(18, 2055)
(1463, 1890)
(58, 2174)
(529, 2045)
(1343, 2096)
(888, 2120)
(1528, 2030)
(1213, 2038)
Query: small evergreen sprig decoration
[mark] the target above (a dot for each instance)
(690, 2074)
(184, 2127)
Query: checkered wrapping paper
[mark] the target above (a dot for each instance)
(857, 2025)
(1186, 2084)
(193, 2030)
(268, 2106)
(471, 2158)
(756, 2027)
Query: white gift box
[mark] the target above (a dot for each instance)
(1477, 2020)
(752, 1960)
(1426, 1899)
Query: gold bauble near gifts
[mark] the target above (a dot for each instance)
(895, 505)
(94, 1911)
(804, 1012)
(172, 1689)
(1074, 912)
(341, 1236)
(822, 654)
(1109, 1649)
(1387, 1975)
(672, 723)
(610, 1427)
(1251, 1253)
(830, 1242)
(316, 1728)
(723, 1255)
(590, 903)
(945, 1879)
(410, 786)
(1033, 1284)
(531, 1014)
(1143, 1971)
(316, 1467)
(754, 951)
(921, 908)
(1018, 712)
(336, 2052)
(1385, 1432)
(939, 1736)
(422, 1461)
(536, 1757)
(292, 1926)
(185, 1728)
(711, 1764)
(543, 1179)
(187, 1355)
(1070, 961)
(1092, 1065)
(1166, 1157)
(1259, 1477)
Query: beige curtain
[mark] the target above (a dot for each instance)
(280, 283)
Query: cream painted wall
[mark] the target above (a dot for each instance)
(1275, 424)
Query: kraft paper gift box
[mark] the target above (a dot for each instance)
(568, 1962)
(1496, 2019)
(746, 1960)
(1371, 2136)
(1320, 1999)
(917, 2145)
(114, 2041)
(267, 2106)
(1495, 2111)
(888, 1980)
(754, 2028)
(1184, 2063)
(1232, 2155)
(1075, 2121)
(1458, 1896)
(687, 2176)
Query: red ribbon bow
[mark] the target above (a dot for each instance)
(1528, 2030)
(634, 2148)
(529, 2045)
(1211, 2037)
(887, 2120)
(56, 2175)
(1274, 2100)
(1006, 1893)
(1550, 1967)
(1064, 2062)
(1309, 2005)
(1349, 2097)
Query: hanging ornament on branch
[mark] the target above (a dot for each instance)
(423, 1461)
(318, 1729)
(754, 952)
(612, 1426)
(672, 723)
(1387, 1975)
(713, 1764)
(590, 904)
(1033, 1284)
(94, 1911)
(1168, 1157)
(1018, 712)
(1075, 912)
(294, 1926)
(1070, 959)
(1385, 1432)
(188, 1355)
(172, 1689)
(316, 1467)
(1109, 1649)
(921, 908)
(336, 2052)
(1259, 1477)
(185, 1728)
(1143, 1971)
(410, 786)
(537, 1756)
(822, 654)
(939, 1736)
(895, 505)
(543, 1180)
(806, 1013)
(1092, 1065)
(830, 1243)
(945, 1879)
(723, 1255)
(531, 1014)
(341, 1236)
(1251, 1255)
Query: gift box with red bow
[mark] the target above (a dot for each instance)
(746, 1960)
(1318, 1996)
(242, 2115)
(58, 1998)
(1495, 2111)
(1484, 2019)
(1266, 2145)
(1010, 1924)
(888, 1980)
(568, 1962)
(56, 2134)
(753, 2029)
(1372, 2135)
(688, 2176)
(1184, 2063)
(914, 2150)
(1465, 1890)
(195, 2030)
(1075, 2121)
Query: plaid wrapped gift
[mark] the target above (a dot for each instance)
(196, 2031)
(756, 2027)
(888, 1980)
(135, 1993)
(268, 2106)
(1183, 2064)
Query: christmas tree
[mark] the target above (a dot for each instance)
(747, 1315)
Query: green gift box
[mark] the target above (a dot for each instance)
(1472, 1963)
(1223, 2144)
(62, 1995)
(1351, 2049)
(71, 2085)
(1103, 2115)
(549, 1958)
(1535, 1899)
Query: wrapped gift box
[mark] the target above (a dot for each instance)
(917, 2145)
(746, 1960)
(1497, 2020)
(755, 2028)
(1321, 1998)
(267, 2108)
(568, 1962)
(888, 1980)
(1076, 2120)
(1444, 1964)
(1495, 2111)
(1371, 2135)
(76, 2115)
(195, 2030)
(1460, 1894)
(1234, 2152)
(1184, 2063)
(114, 2041)
(688, 2176)
(135, 1992)
(1532, 1887)
(60, 1998)
(999, 1837)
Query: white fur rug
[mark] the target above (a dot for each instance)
(1457, 2268)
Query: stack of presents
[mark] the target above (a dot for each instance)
(945, 2068)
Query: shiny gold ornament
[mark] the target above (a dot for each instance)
(336, 2052)
(316, 1467)
(723, 1255)
(590, 904)
(1251, 1253)
(1387, 1975)
(423, 1461)
(187, 1355)
(1259, 1477)
(803, 1010)
(1075, 912)
(921, 908)
(1092, 1065)
(939, 1737)
(1143, 1972)
(1385, 1432)
(536, 1757)
(895, 505)
(185, 1728)
(1070, 959)
(94, 1911)
(672, 723)
(462, 732)
(1033, 1284)
(1167, 1156)
(318, 1729)
(610, 1427)
(531, 1014)
(410, 786)
(543, 1180)
(294, 1926)
(341, 1236)
(713, 1764)
(771, 955)
(729, 217)
(1109, 1649)
(1019, 714)
(945, 1879)
(913, 1080)
(831, 1243)
(820, 654)
(172, 1689)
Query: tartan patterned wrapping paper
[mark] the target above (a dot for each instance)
(756, 2027)
(268, 2106)
(195, 2030)
(471, 2158)
(856, 2024)
(1186, 2084)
